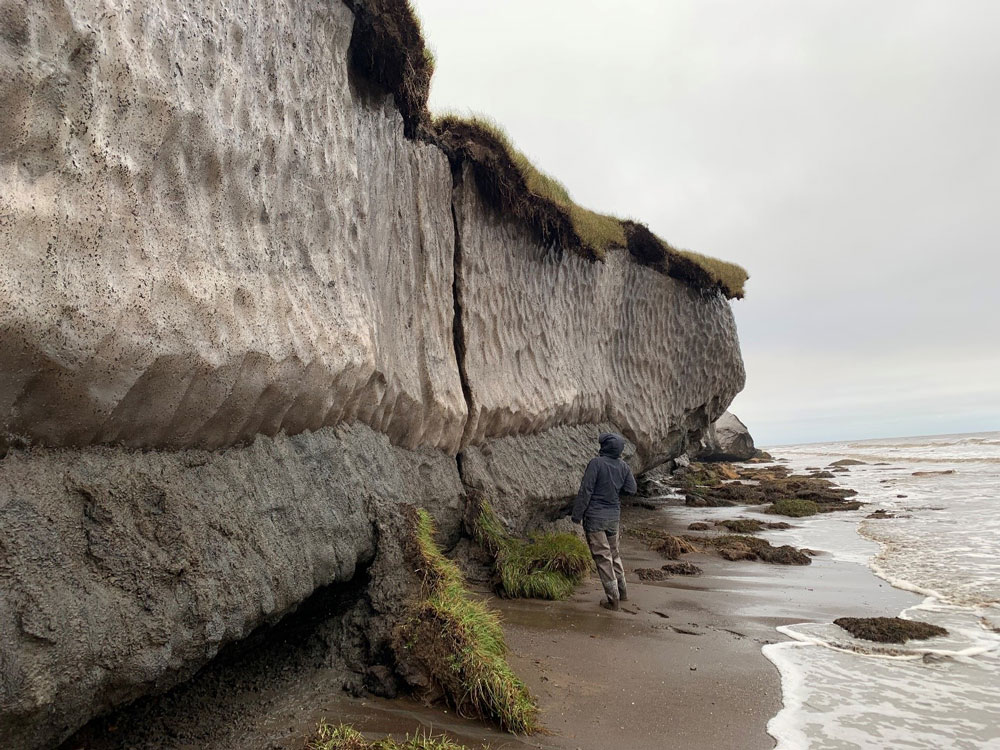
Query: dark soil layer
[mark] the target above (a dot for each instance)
(889, 629)
(387, 49)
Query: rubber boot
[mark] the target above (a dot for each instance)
(611, 590)
(622, 590)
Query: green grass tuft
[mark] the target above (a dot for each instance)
(730, 277)
(461, 643)
(344, 737)
(794, 508)
(547, 566)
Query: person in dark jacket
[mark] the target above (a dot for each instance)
(598, 508)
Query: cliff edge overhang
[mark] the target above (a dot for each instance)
(388, 49)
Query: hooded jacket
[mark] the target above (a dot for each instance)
(597, 503)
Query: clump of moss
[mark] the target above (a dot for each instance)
(460, 643)
(794, 508)
(345, 737)
(889, 629)
(547, 566)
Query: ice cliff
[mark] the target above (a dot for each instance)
(242, 313)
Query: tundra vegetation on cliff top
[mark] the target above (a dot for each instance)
(388, 49)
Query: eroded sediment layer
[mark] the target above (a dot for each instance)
(206, 234)
(123, 572)
(553, 339)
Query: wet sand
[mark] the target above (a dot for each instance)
(681, 667)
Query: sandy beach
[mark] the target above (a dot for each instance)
(681, 665)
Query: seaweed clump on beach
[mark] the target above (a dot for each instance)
(458, 641)
(346, 737)
(546, 566)
(889, 629)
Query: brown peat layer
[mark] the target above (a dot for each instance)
(680, 667)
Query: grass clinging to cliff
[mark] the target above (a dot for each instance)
(547, 566)
(461, 643)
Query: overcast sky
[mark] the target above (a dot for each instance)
(846, 153)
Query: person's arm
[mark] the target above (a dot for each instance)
(586, 489)
(629, 487)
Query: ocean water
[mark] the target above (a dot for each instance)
(840, 693)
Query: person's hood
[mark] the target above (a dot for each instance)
(612, 444)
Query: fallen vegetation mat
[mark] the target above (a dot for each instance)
(345, 737)
(668, 545)
(459, 643)
(889, 629)
(667, 571)
(727, 546)
(707, 485)
(546, 566)
(742, 547)
(749, 525)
